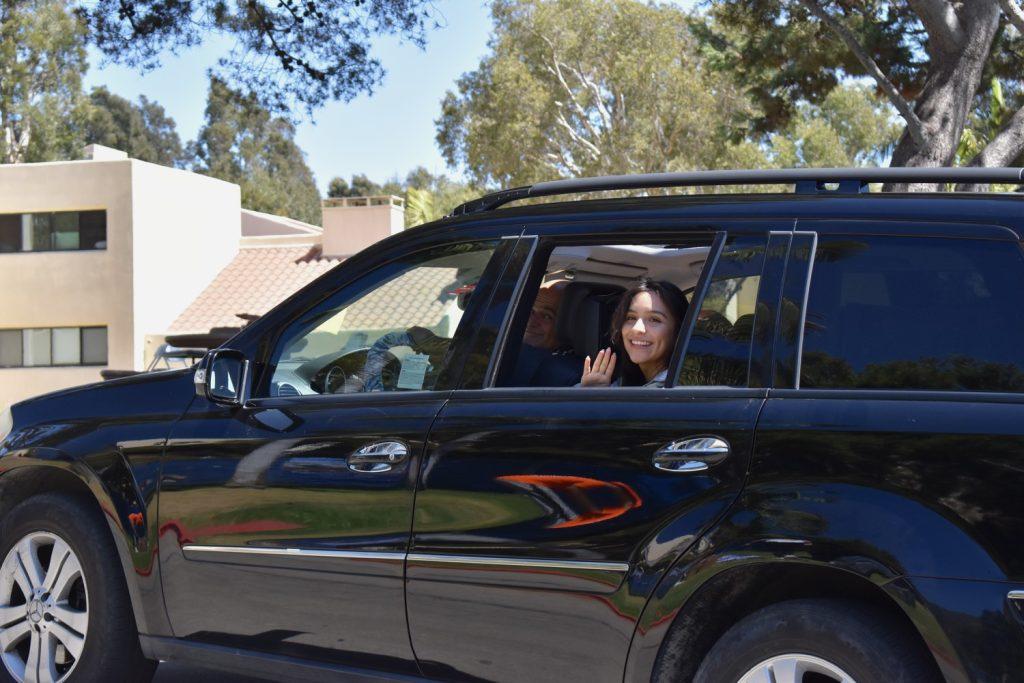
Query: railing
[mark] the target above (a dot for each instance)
(806, 180)
(350, 202)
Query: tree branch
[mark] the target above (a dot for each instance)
(942, 23)
(577, 138)
(577, 107)
(1014, 13)
(1006, 146)
(914, 125)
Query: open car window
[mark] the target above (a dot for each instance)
(566, 312)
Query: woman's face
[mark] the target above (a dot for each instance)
(648, 333)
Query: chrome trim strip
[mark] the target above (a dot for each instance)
(296, 552)
(803, 308)
(1015, 595)
(619, 567)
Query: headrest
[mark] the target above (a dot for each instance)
(585, 316)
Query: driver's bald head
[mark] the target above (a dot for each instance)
(541, 328)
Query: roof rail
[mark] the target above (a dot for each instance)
(807, 181)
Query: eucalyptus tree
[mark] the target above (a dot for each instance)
(42, 61)
(588, 87)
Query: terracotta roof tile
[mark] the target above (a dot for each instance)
(260, 278)
(253, 283)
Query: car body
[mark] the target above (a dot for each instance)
(471, 530)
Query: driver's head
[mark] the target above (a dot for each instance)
(540, 330)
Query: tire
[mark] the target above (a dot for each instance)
(84, 630)
(832, 639)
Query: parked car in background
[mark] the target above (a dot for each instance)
(361, 484)
(179, 351)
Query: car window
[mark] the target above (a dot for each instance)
(892, 312)
(391, 331)
(718, 352)
(569, 312)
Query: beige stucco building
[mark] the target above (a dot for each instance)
(148, 240)
(101, 258)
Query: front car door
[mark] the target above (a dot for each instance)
(542, 524)
(285, 522)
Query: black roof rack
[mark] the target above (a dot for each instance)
(807, 181)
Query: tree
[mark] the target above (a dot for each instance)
(429, 197)
(42, 60)
(851, 127)
(142, 130)
(241, 142)
(588, 87)
(286, 52)
(928, 58)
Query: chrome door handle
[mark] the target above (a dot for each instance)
(691, 455)
(378, 457)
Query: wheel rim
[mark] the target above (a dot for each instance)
(791, 668)
(44, 612)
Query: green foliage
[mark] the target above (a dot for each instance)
(42, 60)
(241, 142)
(588, 87)
(428, 197)
(287, 52)
(142, 130)
(985, 123)
(851, 127)
(783, 55)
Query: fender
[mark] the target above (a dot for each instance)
(110, 482)
(810, 524)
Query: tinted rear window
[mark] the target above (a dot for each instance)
(915, 313)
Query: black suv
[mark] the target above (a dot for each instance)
(392, 473)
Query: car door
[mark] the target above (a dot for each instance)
(542, 524)
(284, 523)
(893, 436)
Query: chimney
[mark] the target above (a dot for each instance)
(353, 223)
(100, 153)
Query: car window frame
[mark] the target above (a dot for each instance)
(528, 280)
(269, 343)
(788, 386)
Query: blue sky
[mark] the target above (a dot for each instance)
(382, 135)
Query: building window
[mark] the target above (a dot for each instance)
(56, 231)
(50, 346)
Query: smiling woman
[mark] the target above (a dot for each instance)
(643, 331)
(605, 314)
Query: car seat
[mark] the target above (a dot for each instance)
(585, 316)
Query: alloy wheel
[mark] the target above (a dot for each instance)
(44, 612)
(796, 668)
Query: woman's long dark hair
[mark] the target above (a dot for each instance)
(673, 297)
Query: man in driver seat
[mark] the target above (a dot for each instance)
(544, 361)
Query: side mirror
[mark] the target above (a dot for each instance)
(223, 377)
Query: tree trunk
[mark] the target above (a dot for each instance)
(949, 91)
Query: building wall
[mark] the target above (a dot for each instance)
(73, 288)
(187, 228)
(169, 232)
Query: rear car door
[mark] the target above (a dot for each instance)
(542, 524)
(894, 436)
(285, 521)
